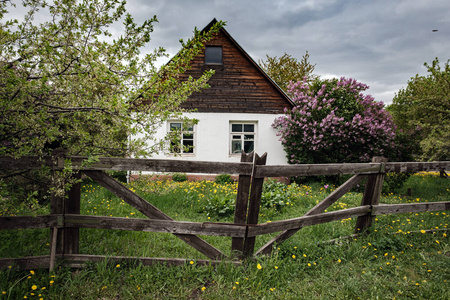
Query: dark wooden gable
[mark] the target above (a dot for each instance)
(239, 85)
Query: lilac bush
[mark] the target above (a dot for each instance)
(334, 122)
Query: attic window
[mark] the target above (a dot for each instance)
(213, 55)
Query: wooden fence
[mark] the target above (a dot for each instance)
(65, 220)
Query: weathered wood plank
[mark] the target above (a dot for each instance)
(156, 165)
(53, 249)
(386, 209)
(160, 165)
(26, 263)
(132, 164)
(151, 211)
(412, 167)
(240, 212)
(304, 221)
(154, 225)
(316, 169)
(78, 260)
(27, 222)
(372, 194)
(25, 162)
(72, 206)
(254, 204)
(319, 208)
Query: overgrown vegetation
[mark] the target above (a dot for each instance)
(406, 256)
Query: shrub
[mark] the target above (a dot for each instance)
(119, 175)
(333, 122)
(224, 178)
(275, 195)
(179, 177)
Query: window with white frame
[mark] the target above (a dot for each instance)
(242, 137)
(182, 139)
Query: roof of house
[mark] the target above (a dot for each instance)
(239, 84)
(214, 21)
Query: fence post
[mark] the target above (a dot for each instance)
(255, 202)
(372, 194)
(72, 206)
(240, 213)
(64, 240)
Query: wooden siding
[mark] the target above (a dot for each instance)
(238, 86)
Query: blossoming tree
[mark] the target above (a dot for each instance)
(334, 122)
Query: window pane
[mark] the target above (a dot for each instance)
(236, 147)
(175, 126)
(188, 146)
(174, 148)
(213, 55)
(188, 136)
(248, 146)
(236, 137)
(249, 127)
(236, 127)
(249, 137)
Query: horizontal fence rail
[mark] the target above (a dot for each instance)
(65, 219)
(127, 164)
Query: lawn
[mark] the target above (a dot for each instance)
(404, 256)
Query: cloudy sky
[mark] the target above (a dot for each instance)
(382, 43)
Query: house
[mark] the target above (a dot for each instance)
(235, 113)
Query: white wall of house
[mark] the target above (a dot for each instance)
(212, 138)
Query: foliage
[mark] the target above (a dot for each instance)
(224, 178)
(69, 86)
(69, 82)
(422, 112)
(179, 177)
(219, 205)
(334, 122)
(276, 194)
(286, 69)
(118, 175)
(393, 182)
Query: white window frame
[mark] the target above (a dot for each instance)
(233, 135)
(182, 139)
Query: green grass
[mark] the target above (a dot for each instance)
(399, 259)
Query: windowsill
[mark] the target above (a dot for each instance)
(181, 155)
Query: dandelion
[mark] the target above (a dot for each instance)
(34, 287)
(191, 262)
(437, 241)
(276, 267)
(258, 267)
(118, 266)
(339, 260)
(293, 256)
(423, 231)
(203, 289)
